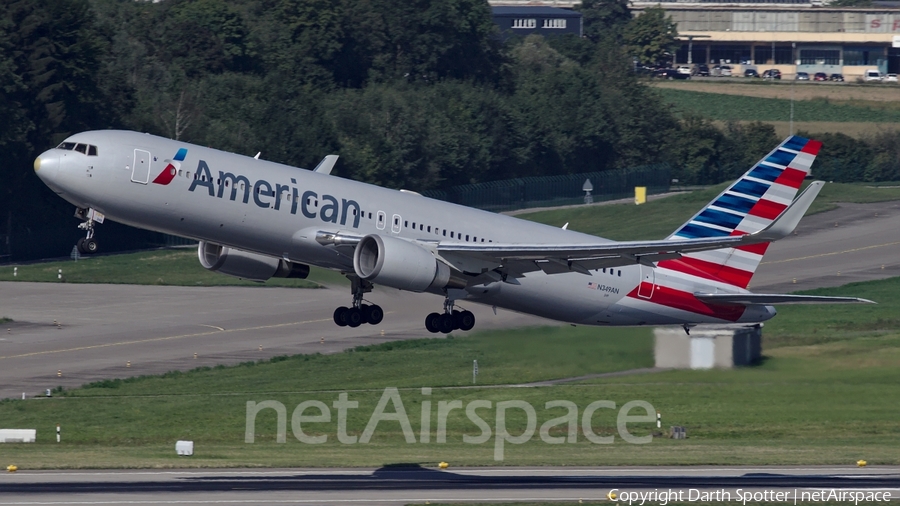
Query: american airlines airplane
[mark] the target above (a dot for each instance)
(257, 219)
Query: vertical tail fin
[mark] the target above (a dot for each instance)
(747, 206)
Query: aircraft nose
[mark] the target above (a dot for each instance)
(46, 166)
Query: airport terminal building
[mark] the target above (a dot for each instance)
(789, 35)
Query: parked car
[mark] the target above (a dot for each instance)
(872, 75)
(724, 71)
(802, 76)
(820, 76)
(702, 70)
(683, 69)
(751, 73)
(663, 73)
(772, 74)
(837, 77)
(890, 78)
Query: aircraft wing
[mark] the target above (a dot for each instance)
(554, 259)
(748, 299)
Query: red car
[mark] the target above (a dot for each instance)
(820, 76)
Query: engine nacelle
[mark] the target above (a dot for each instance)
(246, 265)
(393, 262)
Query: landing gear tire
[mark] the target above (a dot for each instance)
(429, 323)
(90, 245)
(444, 323)
(465, 321)
(372, 314)
(340, 316)
(80, 245)
(354, 317)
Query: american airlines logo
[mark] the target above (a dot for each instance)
(172, 167)
(272, 196)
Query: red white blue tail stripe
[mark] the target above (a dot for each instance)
(745, 207)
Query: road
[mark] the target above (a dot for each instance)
(156, 329)
(398, 486)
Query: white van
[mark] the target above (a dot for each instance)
(872, 75)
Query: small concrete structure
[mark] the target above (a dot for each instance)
(184, 448)
(18, 435)
(707, 347)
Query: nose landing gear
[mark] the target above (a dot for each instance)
(450, 320)
(88, 244)
(359, 312)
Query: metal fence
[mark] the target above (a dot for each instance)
(549, 191)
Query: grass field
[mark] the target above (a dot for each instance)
(724, 107)
(825, 394)
(659, 218)
(849, 94)
(852, 128)
(159, 267)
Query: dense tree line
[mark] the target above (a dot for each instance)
(421, 94)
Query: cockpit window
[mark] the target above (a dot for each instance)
(88, 149)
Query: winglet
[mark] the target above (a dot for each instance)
(326, 164)
(787, 221)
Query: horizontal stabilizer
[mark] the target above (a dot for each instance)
(749, 299)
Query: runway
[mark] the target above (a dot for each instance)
(159, 328)
(405, 485)
(857, 242)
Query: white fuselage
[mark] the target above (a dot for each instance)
(277, 210)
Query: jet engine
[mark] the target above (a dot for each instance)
(246, 265)
(393, 262)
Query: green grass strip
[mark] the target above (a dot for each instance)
(718, 106)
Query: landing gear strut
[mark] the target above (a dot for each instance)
(450, 320)
(358, 313)
(88, 244)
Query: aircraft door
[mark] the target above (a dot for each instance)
(140, 171)
(648, 282)
(380, 220)
(395, 224)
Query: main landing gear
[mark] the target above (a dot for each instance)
(450, 320)
(87, 244)
(359, 312)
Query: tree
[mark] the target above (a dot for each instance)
(604, 18)
(650, 37)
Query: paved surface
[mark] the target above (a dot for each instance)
(834, 248)
(418, 485)
(158, 329)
